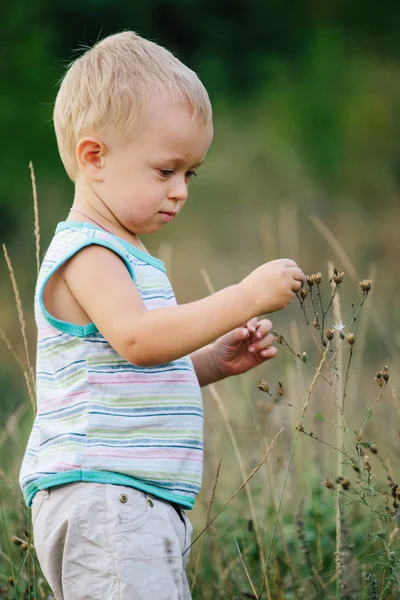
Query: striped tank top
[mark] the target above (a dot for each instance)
(100, 418)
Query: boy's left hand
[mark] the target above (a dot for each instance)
(232, 354)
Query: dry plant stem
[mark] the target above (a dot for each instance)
(369, 413)
(218, 399)
(287, 346)
(21, 322)
(314, 437)
(236, 448)
(338, 541)
(253, 589)
(317, 416)
(346, 379)
(272, 486)
(207, 520)
(245, 482)
(303, 308)
(36, 213)
(309, 392)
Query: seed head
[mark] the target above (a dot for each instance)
(316, 321)
(263, 386)
(309, 280)
(315, 278)
(281, 389)
(327, 483)
(299, 426)
(351, 338)
(385, 373)
(382, 377)
(344, 482)
(367, 463)
(337, 277)
(330, 333)
(303, 293)
(365, 285)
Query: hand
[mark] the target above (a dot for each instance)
(231, 352)
(273, 285)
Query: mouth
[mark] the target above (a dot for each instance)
(168, 216)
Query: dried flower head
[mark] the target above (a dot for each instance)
(315, 278)
(309, 280)
(337, 277)
(330, 333)
(327, 483)
(316, 321)
(303, 293)
(299, 426)
(365, 285)
(281, 389)
(367, 463)
(385, 373)
(343, 481)
(263, 386)
(351, 338)
(278, 337)
(382, 377)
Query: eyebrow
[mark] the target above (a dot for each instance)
(178, 160)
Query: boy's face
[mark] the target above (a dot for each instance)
(146, 177)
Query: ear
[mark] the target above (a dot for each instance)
(90, 154)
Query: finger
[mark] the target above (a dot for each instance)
(262, 344)
(264, 326)
(269, 353)
(241, 333)
(289, 263)
(252, 324)
(298, 274)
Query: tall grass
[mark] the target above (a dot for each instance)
(314, 513)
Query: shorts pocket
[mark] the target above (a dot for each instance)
(127, 508)
(39, 498)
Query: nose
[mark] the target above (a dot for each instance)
(178, 191)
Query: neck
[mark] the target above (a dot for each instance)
(89, 207)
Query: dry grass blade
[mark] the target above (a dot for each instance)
(207, 520)
(232, 436)
(236, 448)
(309, 392)
(245, 482)
(348, 265)
(21, 318)
(36, 213)
(246, 571)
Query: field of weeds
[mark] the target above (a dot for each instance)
(300, 496)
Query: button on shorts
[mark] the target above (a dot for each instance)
(97, 541)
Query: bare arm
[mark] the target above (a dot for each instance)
(102, 286)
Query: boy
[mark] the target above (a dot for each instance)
(115, 452)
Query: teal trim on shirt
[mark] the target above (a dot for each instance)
(71, 328)
(147, 258)
(102, 477)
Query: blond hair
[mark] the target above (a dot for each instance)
(106, 90)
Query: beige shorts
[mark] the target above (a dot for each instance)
(97, 541)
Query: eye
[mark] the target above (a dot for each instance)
(191, 174)
(165, 172)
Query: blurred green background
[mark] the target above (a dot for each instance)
(305, 164)
(307, 112)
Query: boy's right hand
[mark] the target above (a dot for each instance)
(273, 285)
